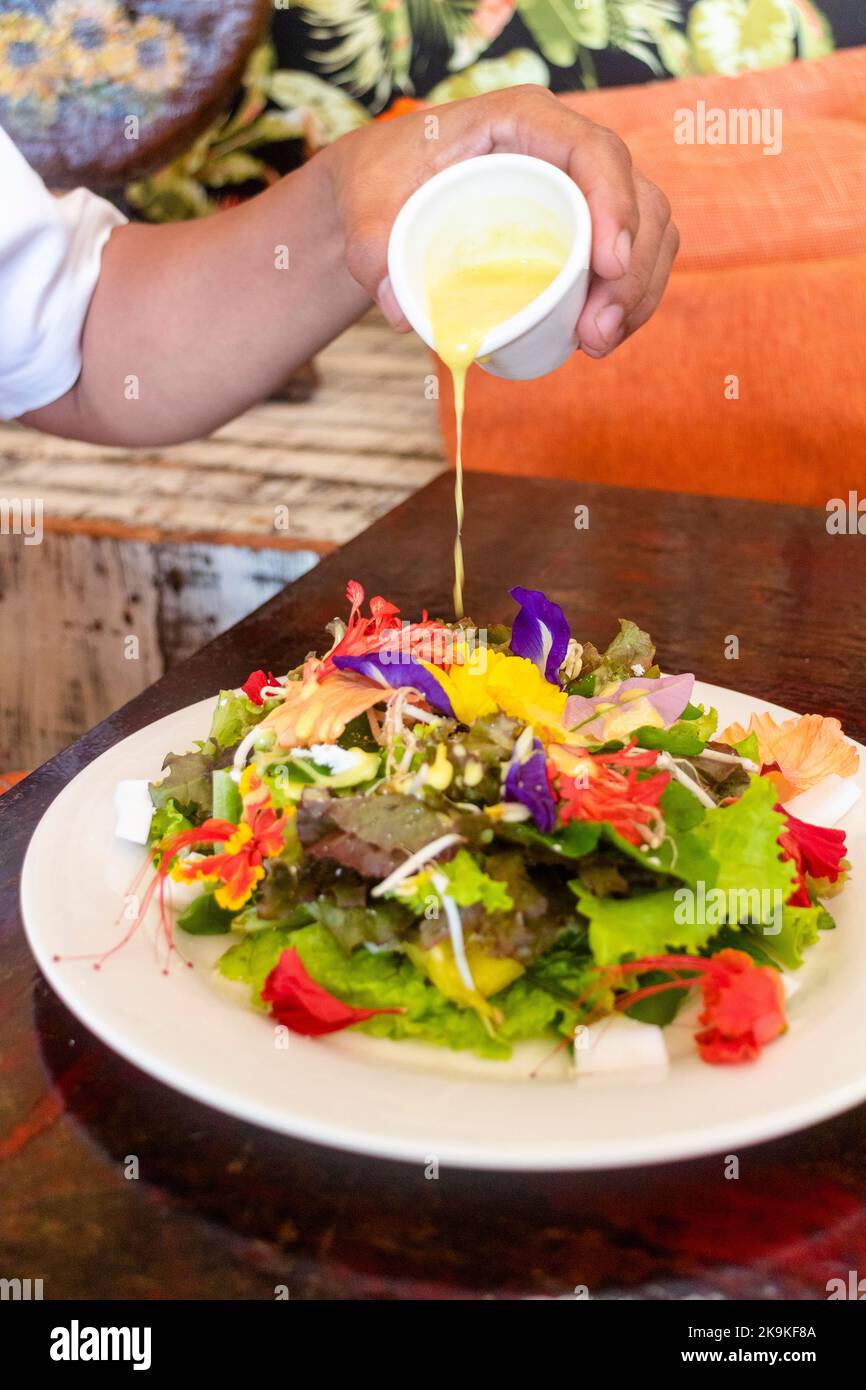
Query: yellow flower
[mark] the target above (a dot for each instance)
(519, 689)
(806, 748)
(489, 681)
(465, 683)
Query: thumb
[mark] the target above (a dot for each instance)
(367, 262)
(387, 302)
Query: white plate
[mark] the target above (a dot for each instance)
(408, 1101)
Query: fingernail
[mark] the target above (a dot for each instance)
(592, 352)
(608, 321)
(622, 249)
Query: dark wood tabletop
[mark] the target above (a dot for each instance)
(224, 1210)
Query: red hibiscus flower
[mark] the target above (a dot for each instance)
(815, 851)
(744, 1003)
(744, 1008)
(304, 1006)
(255, 683)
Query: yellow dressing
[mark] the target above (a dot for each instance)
(466, 302)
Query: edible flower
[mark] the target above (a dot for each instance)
(540, 632)
(299, 1003)
(484, 681)
(798, 753)
(618, 710)
(255, 683)
(744, 1003)
(398, 672)
(317, 710)
(608, 787)
(239, 867)
(527, 781)
(383, 626)
(815, 850)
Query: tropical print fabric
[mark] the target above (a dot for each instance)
(378, 51)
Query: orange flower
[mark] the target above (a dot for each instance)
(384, 626)
(743, 1002)
(317, 708)
(800, 752)
(606, 787)
(317, 711)
(239, 867)
(744, 1008)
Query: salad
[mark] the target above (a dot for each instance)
(474, 837)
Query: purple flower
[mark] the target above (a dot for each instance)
(396, 672)
(527, 782)
(540, 632)
(668, 696)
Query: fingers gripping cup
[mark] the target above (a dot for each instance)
(502, 233)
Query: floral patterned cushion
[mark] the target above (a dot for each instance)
(380, 50)
(93, 90)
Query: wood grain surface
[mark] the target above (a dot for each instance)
(329, 465)
(173, 545)
(222, 1209)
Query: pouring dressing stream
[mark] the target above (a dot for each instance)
(471, 254)
(470, 300)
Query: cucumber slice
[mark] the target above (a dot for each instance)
(227, 804)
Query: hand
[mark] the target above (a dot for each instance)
(374, 170)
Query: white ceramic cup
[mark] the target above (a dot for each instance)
(469, 200)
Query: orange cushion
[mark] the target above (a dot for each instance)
(654, 414)
(770, 288)
(833, 86)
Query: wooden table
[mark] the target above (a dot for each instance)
(225, 1210)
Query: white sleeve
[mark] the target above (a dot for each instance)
(50, 256)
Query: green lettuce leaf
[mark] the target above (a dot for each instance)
(644, 925)
(468, 885)
(732, 852)
(205, 917)
(187, 780)
(563, 970)
(234, 715)
(379, 923)
(682, 854)
(749, 747)
(660, 1009)
(799, 930)
(389, 979)
(168, 820)
(576, 839)
(743, 840)
(631, 647)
